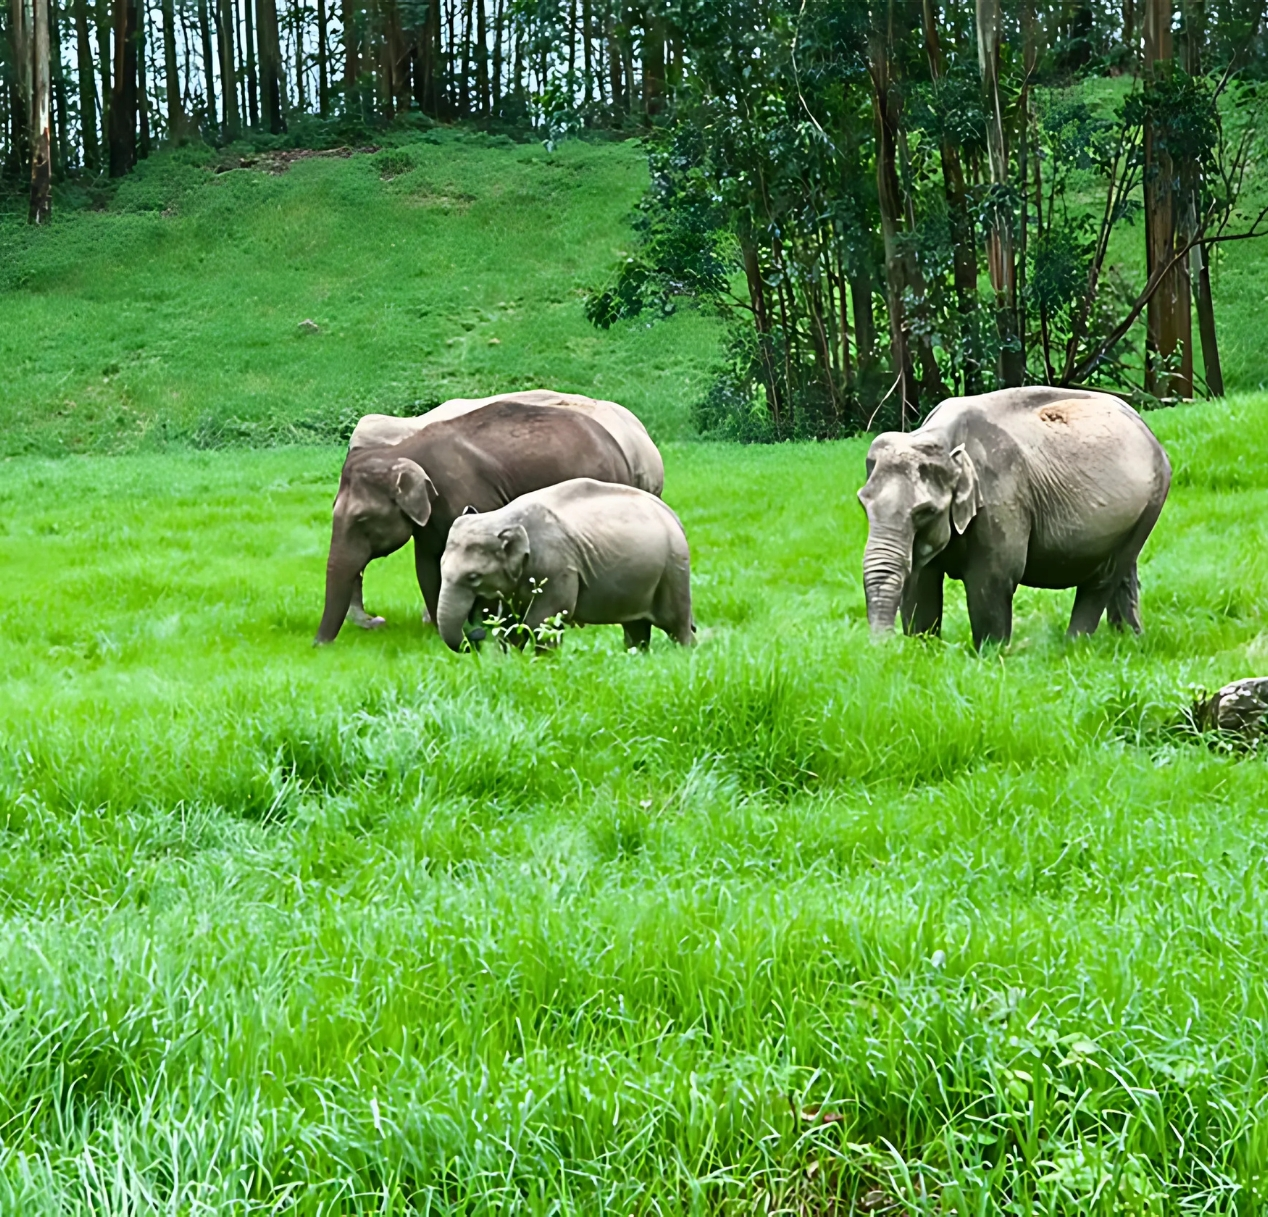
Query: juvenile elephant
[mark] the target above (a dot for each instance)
(1042, 486)
(600, 554)
(417, 488)
(624, 426)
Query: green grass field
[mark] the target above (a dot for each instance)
(797, 921)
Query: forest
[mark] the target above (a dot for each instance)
(886, 203)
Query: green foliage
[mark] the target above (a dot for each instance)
(794, 919)
(1183, 112)
(684, 251)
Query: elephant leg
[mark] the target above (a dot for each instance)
(671, 606)
(427, 569)
(990, 600)
(1124, 603)
(356, 609)
(1090, 600)
(638, 635)
(922, 605)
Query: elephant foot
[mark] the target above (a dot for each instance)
(478, 634)
(365, 620)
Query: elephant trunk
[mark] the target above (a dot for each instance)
(886, 569)
(452, 611)
(345, 564)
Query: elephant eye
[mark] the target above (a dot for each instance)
(473, 577)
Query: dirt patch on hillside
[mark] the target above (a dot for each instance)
(279, 161)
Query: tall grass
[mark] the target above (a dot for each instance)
(797, 921)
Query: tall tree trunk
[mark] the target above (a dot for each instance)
(963, 245)
(142, 92)
(1199, 258)
(209, 83)
(451, 60)
(187, 98)
(323, 72)
(58, 72)
(614, 71)
(21, 51)
(889, 198)
(499, 18)
(270, 66)
(41, 116)
(1168, 343)
(1206, 321)
(653, 66)
(87, 89)
(864, 318)
(123, 97)
(253, 78)
(297, 25)
(762, 322)
(464, 83)
(1000, 246)
(350, 69)
(572, 45)
(105, 58)
(429, 60)
(175, 114)
(1025, 121)
(228, 69)
(482, 57)
(600, 67)
(1131, 33)
(587, 60)
(517, 86)
(627, 72)
(368, 61)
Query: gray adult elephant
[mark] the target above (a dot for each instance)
(646, 465)
(417, 488)
(1038, 486)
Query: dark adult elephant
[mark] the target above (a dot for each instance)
(1037, 486)
(417, 488)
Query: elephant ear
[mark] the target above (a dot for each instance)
(514, 541)
(412, 490)
(967, 497)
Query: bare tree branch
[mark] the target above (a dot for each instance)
(1090, 361)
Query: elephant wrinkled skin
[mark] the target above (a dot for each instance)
(417, 488)
(646, 465)
(1040, 486)
(597, 553)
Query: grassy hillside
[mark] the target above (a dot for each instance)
(452, 265)
(794, 918)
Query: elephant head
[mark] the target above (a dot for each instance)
(381, 499)
(918, 490)
(481, 562)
